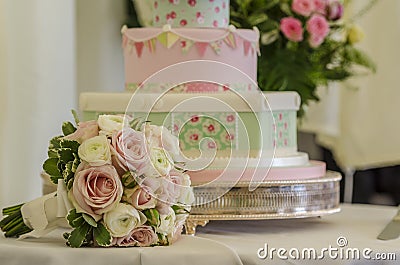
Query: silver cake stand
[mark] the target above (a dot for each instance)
(271, 200)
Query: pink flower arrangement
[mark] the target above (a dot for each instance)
(305, 44)
(316, 25)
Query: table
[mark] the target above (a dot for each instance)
(228, 242)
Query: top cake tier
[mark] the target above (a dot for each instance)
(191, 13)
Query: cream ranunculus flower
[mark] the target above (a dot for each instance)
(167, 223)
(110, 124)
(123, 219)
(95, 151)
(160, 163)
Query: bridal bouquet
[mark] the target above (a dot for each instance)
(117, 185)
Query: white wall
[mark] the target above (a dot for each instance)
(50, 51)
(38, 45)
(99, 53)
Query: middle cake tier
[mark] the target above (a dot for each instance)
(231, 124)
(149, 50)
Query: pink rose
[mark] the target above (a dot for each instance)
(161, 137)
(292, 29)
(129, 151)
(335, 10)
(96, 190)
(320, 6)
(85, 130)
(142, 198)
(318, 28)
(315, 41)
(143, 236)
(303, 7)
(163, 190)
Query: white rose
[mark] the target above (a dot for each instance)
(123, 219)
(167, 223)
(160, 163)
(95, 151)
(110, 124)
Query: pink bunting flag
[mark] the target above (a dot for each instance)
(201, 47)
(139, 48)
(247, 46)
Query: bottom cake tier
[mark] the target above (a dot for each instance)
(271, 200)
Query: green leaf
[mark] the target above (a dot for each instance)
(128, 180)
(55, 142)
(360, 58)
(66, 155)
(78, 235)
(68, 128)
(69, 183)
(73, 145)
(52, 153)
(50, 167)
(153, 217)
(76, 117)
(73, 215)
(137, 123)
(89, 220)
(285, 7)
(75, 163)
(78, 222)
(101, 235)
(257, 19)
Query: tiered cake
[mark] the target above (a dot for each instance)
(197, 75)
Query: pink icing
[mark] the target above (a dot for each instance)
(315, 169)
(139, 69)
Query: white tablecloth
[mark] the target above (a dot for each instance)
(359, 224)
(226, 242)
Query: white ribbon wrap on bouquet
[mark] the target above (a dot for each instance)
(47, 213)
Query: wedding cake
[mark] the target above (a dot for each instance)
(196, 75)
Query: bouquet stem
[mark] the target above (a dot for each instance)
(13, 224)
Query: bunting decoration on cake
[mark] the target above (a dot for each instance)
(230, 40)
(186, 45)
(201, 47)
(139, 48)
(150, 45)
(216, 45)
(168, 37)
(246, 46)
(130, 46)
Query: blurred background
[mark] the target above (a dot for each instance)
(52, 50)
